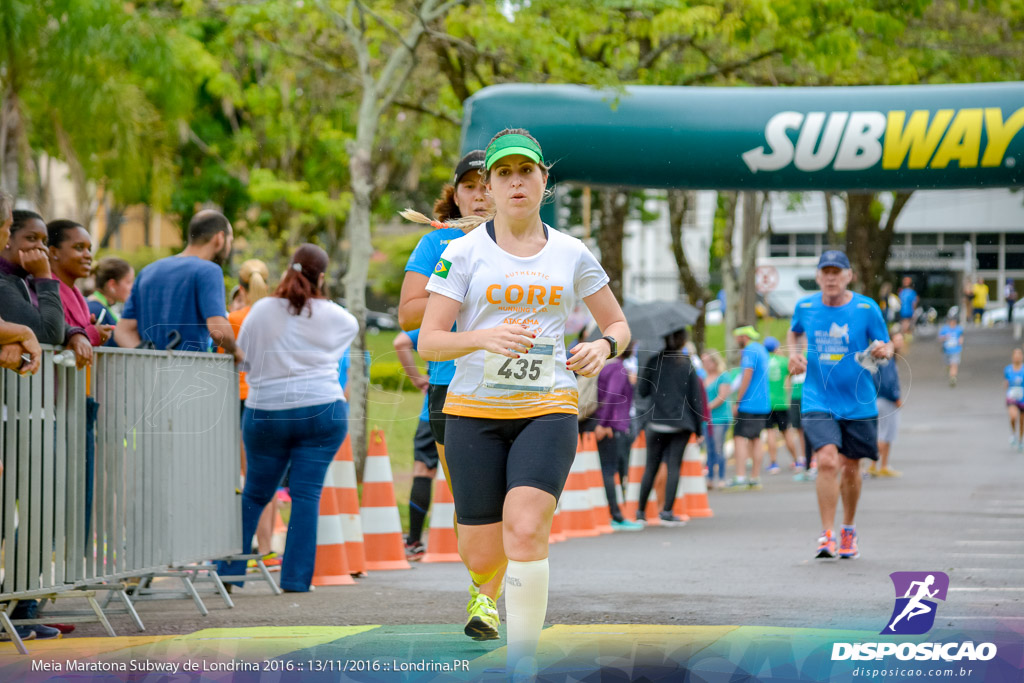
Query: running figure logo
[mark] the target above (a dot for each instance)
(837, 332)
(914, 612)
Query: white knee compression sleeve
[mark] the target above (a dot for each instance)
(526, 605)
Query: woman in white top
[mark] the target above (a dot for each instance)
(295, 415)
(509, 287)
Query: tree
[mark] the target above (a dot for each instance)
(680, 202)
(869, 232)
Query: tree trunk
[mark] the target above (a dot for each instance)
(868, 240)
(614, 210)
(679, 202)
(752, 205)
(360, 252)
(729, 280)
(831, 236)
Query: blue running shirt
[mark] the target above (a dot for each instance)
(755, 399)
(836, 383)
(952, 339)
(907, 296)
(1015, 392)
(423, 260)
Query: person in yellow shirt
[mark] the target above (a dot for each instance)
(980, 299)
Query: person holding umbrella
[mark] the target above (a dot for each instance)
(677, 412)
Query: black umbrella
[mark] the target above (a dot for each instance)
(650, 322)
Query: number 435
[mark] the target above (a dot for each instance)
(522, 368)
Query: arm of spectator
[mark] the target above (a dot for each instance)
(82, 348)
(645, 384)
(698, 401)
(748, 373)
(126, 334)
(724, 389)
(413, 300)
(51, 312)
(224, 336)
(404, 350)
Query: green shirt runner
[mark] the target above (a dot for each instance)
(778, 370)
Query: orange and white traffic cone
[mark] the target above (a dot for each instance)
(330, 568)
(577, 510)
(347, 491)
(634, 476)
(598, 496)
(382, 527)
(693, 484)
(442, 543)
(556, 535)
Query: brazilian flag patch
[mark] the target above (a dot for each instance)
(442, 268)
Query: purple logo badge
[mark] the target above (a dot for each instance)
(914, 612)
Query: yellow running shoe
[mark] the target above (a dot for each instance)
(483, 619)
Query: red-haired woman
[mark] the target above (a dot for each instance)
(295, 415)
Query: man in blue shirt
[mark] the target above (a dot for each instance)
(952, 338)
(752, 407)
(908, 304)
(181, 298)
(844, 337)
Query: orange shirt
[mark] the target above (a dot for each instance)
(236, 318)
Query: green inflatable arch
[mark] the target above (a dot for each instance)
(838, 138)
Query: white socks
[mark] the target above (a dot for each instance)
(526, 605)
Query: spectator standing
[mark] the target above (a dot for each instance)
(719, 388)
(253, 276)
(28, 294)
(295, 415)
(182, 297)
(612, 418)
(113, 278)
(677, 413)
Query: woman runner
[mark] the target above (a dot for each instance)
(512, 427)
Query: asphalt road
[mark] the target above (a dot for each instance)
(958, 508)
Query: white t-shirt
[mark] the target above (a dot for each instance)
(292, 360)
(538, 292)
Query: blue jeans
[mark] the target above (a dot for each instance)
(716, 456)
(304, 440)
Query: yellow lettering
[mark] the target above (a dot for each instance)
(513, 291)
(918, 138)
(962, 141)
(490, 290)
(1000, 134)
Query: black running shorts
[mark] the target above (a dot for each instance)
(424, 448)
(436, 394)
(854, 438)
(749, 425)
(489, 457)
(778, 418)
(794, 416)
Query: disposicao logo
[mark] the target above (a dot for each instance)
(858, 140)
(914, 614)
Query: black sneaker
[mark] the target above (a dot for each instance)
(668, 519)
(641, 518)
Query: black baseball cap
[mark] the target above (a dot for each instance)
(474, 161)
(834, 258)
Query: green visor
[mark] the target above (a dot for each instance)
(747, 331)
(513, 143)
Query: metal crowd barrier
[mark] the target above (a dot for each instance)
(163, 481)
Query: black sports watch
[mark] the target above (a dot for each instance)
(614, 344)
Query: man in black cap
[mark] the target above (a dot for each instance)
(836, 337)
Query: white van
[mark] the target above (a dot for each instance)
(794, 283)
